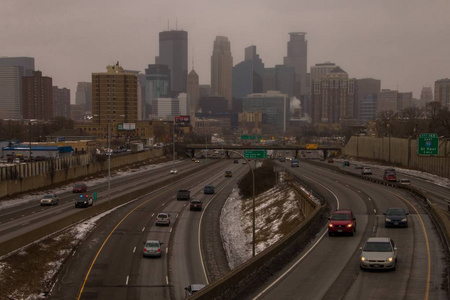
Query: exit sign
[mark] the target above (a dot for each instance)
(428, 144)
(254, 154)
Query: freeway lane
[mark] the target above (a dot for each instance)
(19, 219)
(331, 270)
(120, 272)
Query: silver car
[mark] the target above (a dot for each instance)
(193, 288)
(163, 219)
(366, 171)
(152, 248)
(379, 253)
(49, 199)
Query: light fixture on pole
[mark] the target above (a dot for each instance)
(253, 202)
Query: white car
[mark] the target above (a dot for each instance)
(173, 171)
(366, 171)
(49, 199)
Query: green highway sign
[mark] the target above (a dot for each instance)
(428, 144)
(255, 154)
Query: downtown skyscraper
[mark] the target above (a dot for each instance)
(297, 57)
(173, 52)
(222, 70)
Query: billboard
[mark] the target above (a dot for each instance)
(183, 121)
(126, 126)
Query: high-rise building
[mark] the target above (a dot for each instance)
(37, 97)
(12, 69)
(297, 57)
(83, 96)
(165, 108)
(114, 98)
(221, 70)
(404, 100)
(334, 98)
(213, 105)
(61, 102)
(387, 100)
(426, 95)
(157, 85)
(367, 86)
(173, 52)
(442, 91)
(320, 70)
(193, 95)
(275, 109)
(248, 75)
(205, 90)
(280, 78)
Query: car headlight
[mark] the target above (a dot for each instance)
(404, 219)
(330, 225)
(388, 220)
(390, 259)
(350, 225)
(363, 258)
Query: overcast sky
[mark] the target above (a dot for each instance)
(404, 43)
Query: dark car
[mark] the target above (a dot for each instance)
(228, 174)
(390, 177)
(346, 163)
(342, 221)
(79, 188)
(330, 160)
(236, 161)
(196, 205)
(390, 170)
(84, 200)
(282, 159)
(396, 217)
(208, 189)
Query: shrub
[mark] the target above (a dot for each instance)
(264, 180)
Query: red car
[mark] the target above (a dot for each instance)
(79, 188)
(342, 221)
(390, 177)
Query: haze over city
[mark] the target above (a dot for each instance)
(403, 43)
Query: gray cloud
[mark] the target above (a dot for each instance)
(404, 43)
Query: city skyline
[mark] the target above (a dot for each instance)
(403, 44)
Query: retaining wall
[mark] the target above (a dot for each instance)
(400, 152)
(27, 177)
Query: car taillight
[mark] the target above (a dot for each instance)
(159, 250)
(145, 249)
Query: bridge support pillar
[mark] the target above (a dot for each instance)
(325, 154)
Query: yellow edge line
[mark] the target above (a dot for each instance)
(106, 240)
(427, 291)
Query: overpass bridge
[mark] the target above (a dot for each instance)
(192, 148)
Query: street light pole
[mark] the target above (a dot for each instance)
(254, 204)
(109, 161)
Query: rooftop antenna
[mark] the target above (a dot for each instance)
(168, 26)
(176, 23)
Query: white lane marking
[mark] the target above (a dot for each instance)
(152, 215)
(167, 250)
(170, 230)
(304, 255)
(32, 212)
(359, 191)
(374, 210)
(26, 223)
(176, 216)
(143, 229)
(22, 216)
(167, 280)
(370, 199)
(134, 250)
(163, 204)
(126, 282)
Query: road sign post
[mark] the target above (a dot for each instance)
(428, 144)
(255, 154)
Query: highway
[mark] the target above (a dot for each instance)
(110, 265)
(117, 268)
(331, 269)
